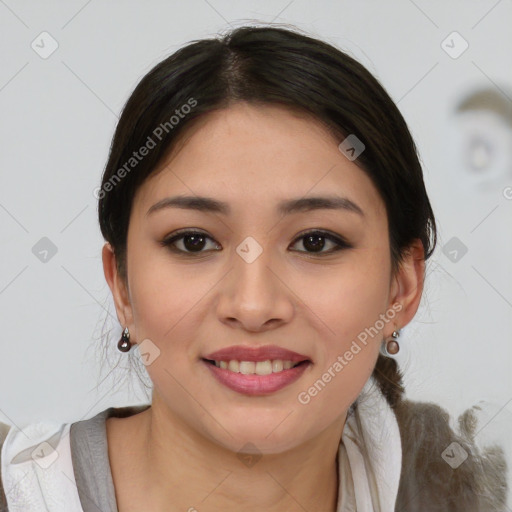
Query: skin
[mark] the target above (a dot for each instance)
(182, 452)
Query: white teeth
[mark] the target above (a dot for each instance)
(263, 367)
(277, 365)
(247, 367)
(256, 368)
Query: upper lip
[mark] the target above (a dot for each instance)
(246, 353)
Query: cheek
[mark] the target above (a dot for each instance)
(166, 297)
(346, 309)
(350, 298)
(347, 348)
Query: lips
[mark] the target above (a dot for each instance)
(257, 385)
(246, 353)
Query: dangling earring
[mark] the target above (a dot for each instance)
(390, 346)
(124, 344)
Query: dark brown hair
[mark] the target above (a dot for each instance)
(271, 65)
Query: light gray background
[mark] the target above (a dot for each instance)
(57, 118)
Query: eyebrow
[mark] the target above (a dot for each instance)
(286, 207)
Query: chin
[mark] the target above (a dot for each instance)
(255, 439)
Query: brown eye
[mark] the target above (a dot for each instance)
(316, 241)
(188, 242)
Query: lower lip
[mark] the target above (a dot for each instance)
(257, 384)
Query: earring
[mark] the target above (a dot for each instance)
(124, 344)
(390, 346)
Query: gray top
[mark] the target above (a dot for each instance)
(91, 465)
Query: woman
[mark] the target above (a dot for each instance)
(267, 229)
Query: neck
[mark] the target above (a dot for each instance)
(178, 465)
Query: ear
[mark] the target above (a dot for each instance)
(407, 284)
(118, 287)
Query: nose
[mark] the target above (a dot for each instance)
(254, 296)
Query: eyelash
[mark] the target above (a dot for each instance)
(178, 235)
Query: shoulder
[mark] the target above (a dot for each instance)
(19, 445)
(37, 462)
(445, 466)
(36, 467)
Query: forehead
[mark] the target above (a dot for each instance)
(258, 154)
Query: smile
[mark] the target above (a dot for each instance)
(256, 368)
(256, 378)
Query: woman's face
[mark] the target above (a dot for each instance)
(255, 279)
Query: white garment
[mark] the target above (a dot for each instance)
(370, 469)
(37, 469)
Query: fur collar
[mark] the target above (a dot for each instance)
(428, 482)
